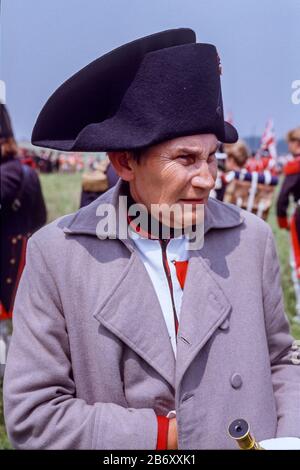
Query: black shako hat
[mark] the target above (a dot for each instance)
(147, 91)
(6, 130)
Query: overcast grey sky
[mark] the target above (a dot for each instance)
(43, 42)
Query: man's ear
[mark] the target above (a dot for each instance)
(123, 164)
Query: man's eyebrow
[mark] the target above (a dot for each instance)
(194, 150)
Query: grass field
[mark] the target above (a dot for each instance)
(62, 194)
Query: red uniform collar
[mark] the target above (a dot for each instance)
(292, 167)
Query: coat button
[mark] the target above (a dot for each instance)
(14, 241)
(8, 280)
(236, 381)
(12, 261)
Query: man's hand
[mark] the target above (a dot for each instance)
(172, 442)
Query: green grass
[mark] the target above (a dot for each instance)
(283, 248)
(4, 442)
(62, 195)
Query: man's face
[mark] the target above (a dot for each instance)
(294, 144)
(179, 171)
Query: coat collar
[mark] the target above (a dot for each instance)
(218, 215)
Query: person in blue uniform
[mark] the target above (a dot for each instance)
(23, 211)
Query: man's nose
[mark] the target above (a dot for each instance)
(203, 179)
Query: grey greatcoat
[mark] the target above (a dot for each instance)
(91, 364)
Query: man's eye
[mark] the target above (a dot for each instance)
(185, 158)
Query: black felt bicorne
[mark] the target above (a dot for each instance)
(6, 130)
(148, 91)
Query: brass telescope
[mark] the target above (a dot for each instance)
(239, 430)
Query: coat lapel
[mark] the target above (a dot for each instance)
(204, 308)
(132, 312)
(131, 309)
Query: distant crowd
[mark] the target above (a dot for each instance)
(49, 161)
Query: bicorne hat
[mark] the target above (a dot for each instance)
(147, 91)
(6, 130)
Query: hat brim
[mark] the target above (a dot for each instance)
(230, 133)
(118, 137)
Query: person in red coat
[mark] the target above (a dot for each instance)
(291, 187)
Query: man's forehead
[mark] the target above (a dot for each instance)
(198, 148)
(195, 144)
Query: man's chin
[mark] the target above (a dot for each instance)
(189, 219)
(192, 203)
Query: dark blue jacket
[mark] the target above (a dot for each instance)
(23, 211)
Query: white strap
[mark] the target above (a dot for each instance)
(252, 191)
(260, 209)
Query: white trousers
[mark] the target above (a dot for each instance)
(4, 343)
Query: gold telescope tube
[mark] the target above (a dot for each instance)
(239, 430)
